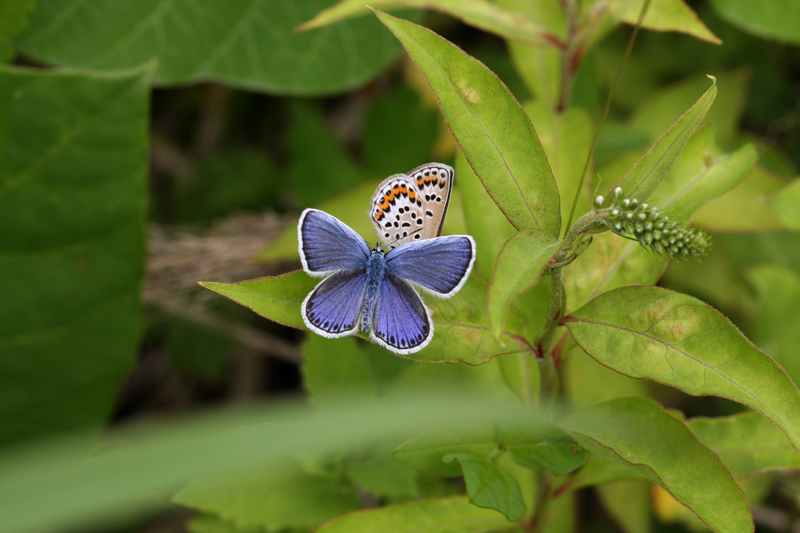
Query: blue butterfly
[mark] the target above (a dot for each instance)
(373, 288)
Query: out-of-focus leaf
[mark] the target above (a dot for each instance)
(72, 244)
(639, 434)
(460, 323)
(352, 207)
(332, 367)
(747, 443)
(518, 268)
(449, 515)
(382, 475)
(13, 21)
(744, 209)
(320, 167)
(209, 523)
(262, 499)
(770, 19)
(663, 15)
(677, 340)
(485, 222)
(786, 204)
(399, 132)
(657, 113)
(581, 374)
(426, 450)
(227, 182)
(479, 13)
(701, 173)
(566, 138)
(198, 351)
(779, 320)
(488, 486)
(539, 66)
(250, 45)
(542, 446)
(616, 139)
(494, 132)
(628, 504)
(650, 170)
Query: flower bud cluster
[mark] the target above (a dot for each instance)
(629, 218)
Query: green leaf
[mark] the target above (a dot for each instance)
(382, 475)
(485, 222)
(332, 367)
(677, 340)
(250, 45)
(448, 515)
(13, 21)
(663, 15)
(770, 19)
(701, 173)
(274, 502)
(541, 445)
(488, 486)
(648, 173)
(426, 450)
(321, 167)
(744, 209)
(479, 13)
(628, 504)
(494, 132)
(566, 138)
(600, 470)
(209, 523)
(747, 443)
(519, 266)
(277, 298)
(779, 320)
(785, 203)
(72, 209)
(638, 433)
(581, 374)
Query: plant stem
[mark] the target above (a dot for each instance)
(542, 500)
(568, 55)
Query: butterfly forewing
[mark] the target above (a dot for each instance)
(401, 322)
(333, 308)
(411, 207)
(327, 244)
(441, 265)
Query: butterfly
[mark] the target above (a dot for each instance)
(374, 289)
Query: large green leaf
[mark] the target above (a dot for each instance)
(494, 132)
(747, 443)
(426, 450)
(247, 44)
(485, 222)
(675, 339)
(73, 163)
(541, 445)
(74, 483)
(275, 502)
(488, 486)
(450, 515)
(13, 21)
(771, 19)
(479, 13)
(460, 323)
(519, 266)
(651, 169)
(663, 15)
(639, 434)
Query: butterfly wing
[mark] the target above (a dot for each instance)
(333, 309)
(328, 244)
(441, 265)
(401, 322)
(408, 208)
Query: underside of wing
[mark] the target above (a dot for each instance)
(401, 322)
(328, 244)
(434, 182)
(441, 265)
(333, 308)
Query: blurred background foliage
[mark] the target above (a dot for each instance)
(118, 168)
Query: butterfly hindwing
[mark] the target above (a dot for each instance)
(441, 265)
(401, 322)
(409, 208)
(333, 309)
(327, 244)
